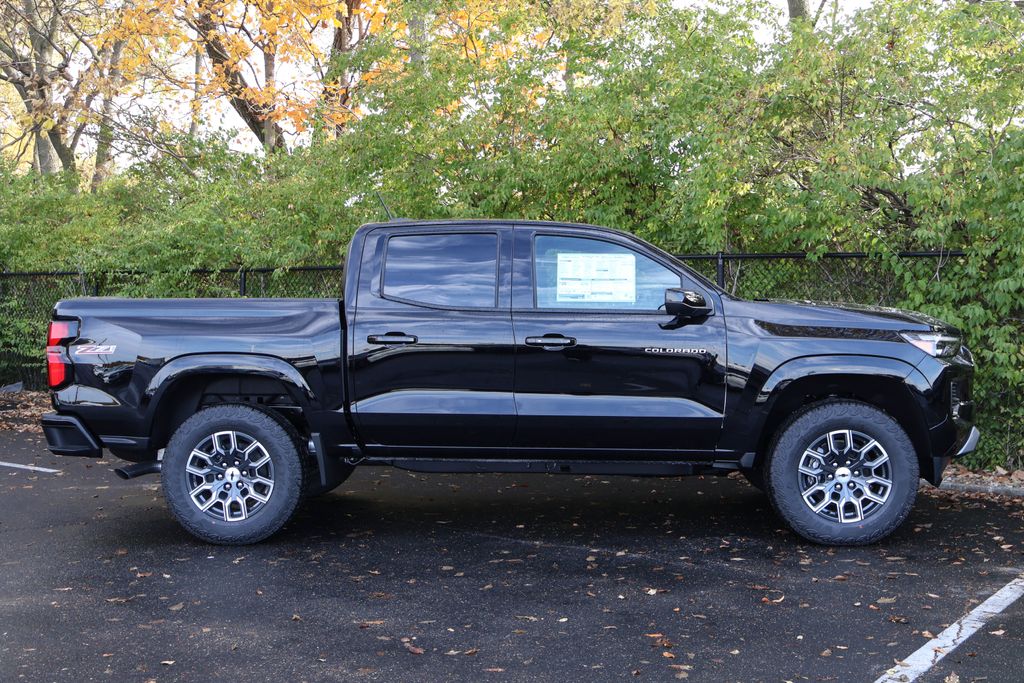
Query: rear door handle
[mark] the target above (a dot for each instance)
(392, 338)
(551, 341)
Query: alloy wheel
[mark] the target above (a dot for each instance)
(230, 476)
(845, 476)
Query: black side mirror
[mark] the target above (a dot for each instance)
(682, 303)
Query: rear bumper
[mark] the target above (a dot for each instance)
(66, 435)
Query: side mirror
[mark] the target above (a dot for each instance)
(682, 303)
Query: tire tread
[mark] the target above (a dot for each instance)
(795, 512)
(243, 414)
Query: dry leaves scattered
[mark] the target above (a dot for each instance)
(21, 411)
(998, 477)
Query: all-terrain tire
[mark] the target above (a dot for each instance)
(280, 442)
(786, 490)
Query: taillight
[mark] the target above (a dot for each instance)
(56, 368)
(58, 365)
(61, 331)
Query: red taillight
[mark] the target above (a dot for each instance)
(57, 362)
(61, 331)
(56, 368)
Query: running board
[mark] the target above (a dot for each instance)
(603, 467)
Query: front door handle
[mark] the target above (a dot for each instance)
(392, 338)
(551, 341)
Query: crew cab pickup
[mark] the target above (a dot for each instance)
(511, 346)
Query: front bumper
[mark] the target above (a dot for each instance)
(66, 435)
(970, 444)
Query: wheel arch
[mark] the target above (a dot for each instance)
(186, 384)
(884, 383)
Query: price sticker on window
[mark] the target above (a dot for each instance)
(596, 278)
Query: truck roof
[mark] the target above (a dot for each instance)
(485, 221)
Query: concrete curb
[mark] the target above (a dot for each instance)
(996, 489)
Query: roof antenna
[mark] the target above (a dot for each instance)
(387, 209)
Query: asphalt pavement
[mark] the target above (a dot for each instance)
(408, 577)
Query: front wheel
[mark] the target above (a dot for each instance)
(843, 473)
(233, 474)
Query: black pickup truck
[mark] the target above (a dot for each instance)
(511, 346)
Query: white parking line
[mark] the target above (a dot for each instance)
(27, 467)
(911, 668)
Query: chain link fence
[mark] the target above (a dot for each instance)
(27, 299)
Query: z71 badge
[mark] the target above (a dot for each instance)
(94, 349)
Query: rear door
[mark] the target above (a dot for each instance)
(432, 346)
(599, 368)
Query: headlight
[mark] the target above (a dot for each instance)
(934, 343)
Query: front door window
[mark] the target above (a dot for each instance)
(581, 273)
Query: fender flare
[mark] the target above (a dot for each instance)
(908, 409)
(247, 364)
(834, 364)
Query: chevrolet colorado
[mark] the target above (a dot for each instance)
(511, 346)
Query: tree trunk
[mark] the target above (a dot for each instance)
(105, 137)
(569, 77)
(270, 128)
(193, 126)
(417, 37)
(236, 85)
(104, 143)
(346, 36)
(45, 158)
(42, 52)
(271, 131)
(797, 10)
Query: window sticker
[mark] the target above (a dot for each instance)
(596, 278)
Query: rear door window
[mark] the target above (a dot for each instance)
(451, 270)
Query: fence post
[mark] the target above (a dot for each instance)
(241, 282)
(720, 270)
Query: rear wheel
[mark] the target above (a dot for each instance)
(842, 473)
(233, 474)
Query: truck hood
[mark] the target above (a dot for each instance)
(787, 313)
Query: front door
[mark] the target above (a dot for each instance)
(598, 367)
(431, 343)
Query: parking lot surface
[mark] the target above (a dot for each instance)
(407, 577)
